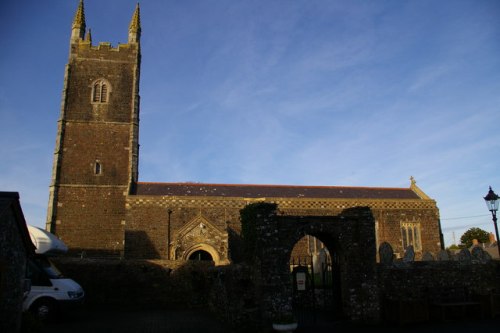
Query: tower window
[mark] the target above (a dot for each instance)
(100, 90)
(97, 168)
(104, 93)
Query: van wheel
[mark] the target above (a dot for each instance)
(43, 309)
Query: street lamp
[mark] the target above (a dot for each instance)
(492, 203)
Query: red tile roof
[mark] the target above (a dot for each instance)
(273, 191)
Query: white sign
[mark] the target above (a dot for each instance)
(301, 280)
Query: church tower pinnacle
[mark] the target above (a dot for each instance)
(78, 26)
(134, 29)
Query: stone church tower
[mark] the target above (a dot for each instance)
(96, 155)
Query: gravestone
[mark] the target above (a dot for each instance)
(386, 253)
(479, 255)
(409, 254)
(464, 256)
(427, 256)
(443, 255)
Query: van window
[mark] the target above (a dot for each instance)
(49, 268)
(37, 275)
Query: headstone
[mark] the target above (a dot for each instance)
(319, 260)
(409, 254)
(479, 255)
(386, 253)
(443, 255)
(427, 256)
(464, 256)
(399, 263)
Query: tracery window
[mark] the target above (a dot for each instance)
(410, 235)
(100, 91)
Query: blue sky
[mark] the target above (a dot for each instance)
(351, 93)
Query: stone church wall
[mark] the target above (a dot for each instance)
(389, 227)
(81, 220)
(192, 223)
(147, 222)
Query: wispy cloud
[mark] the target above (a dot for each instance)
(427, 77)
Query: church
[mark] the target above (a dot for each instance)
(98, 206)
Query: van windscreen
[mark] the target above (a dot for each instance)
(49, 268)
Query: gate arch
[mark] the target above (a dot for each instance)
(351, 234)
(323, 293)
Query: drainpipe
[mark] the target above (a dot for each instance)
(168, 234)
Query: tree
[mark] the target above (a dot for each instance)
(454, 247)
(474, 233)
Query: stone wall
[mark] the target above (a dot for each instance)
(237, 293)
(13, 257)
(139, 283)
(234, 296)
(413, 291)
(151, 226)
(416, 280)
(91, 220)
(231, 292)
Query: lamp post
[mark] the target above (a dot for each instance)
(492, 203)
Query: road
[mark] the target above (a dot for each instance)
(183, 321)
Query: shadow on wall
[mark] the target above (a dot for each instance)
(235, 245)
(139, 283)
(138, 245)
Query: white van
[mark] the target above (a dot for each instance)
(50, 290)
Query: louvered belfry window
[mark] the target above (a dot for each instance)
(100, 92)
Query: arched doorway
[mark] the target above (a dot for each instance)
(200, 255)
(202, 252)
(315, 271)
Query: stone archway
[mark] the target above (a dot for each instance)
(200, 234)
(318, 255)
(201, 255)
(205, 248)
(350, 234)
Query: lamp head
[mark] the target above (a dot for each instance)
(491, 200)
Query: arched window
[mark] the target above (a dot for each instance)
(100, 91)
(97, 168)
(410, 235)
(104, 93)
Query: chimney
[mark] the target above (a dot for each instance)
(492, 238)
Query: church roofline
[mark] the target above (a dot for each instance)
(276, 185)
(273, 191)
(417, 190)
